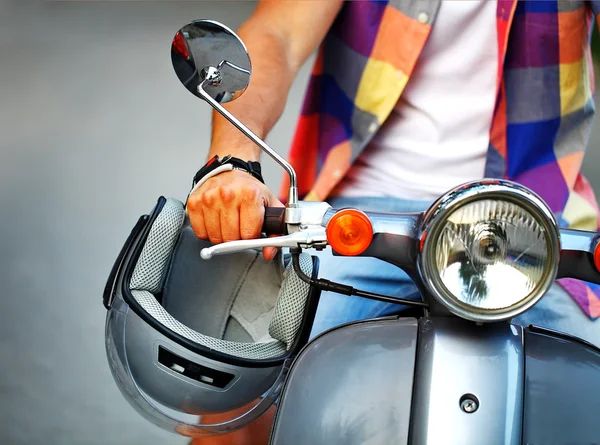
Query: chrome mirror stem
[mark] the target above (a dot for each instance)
(212, 76)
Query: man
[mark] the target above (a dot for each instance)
(409, 98)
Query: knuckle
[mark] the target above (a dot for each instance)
(227, 194)
(208, 198)
(251, 193)
(193, 202)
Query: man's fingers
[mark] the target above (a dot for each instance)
(197, 222)
(251, 220)
(212, 222)
(270, 252)
(230, 224)
(229, 207)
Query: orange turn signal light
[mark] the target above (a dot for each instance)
(349, 232)
(597, 256)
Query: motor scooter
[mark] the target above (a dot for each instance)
(455, 370)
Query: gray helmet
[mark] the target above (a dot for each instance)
(187, 338)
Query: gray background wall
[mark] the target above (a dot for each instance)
(89, 106)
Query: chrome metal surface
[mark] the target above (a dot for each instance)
(311, 237)
(434, 219)
(405, 224)
(577, 255)
(211, 75)
(396, 241)
(207, 50)
(313, 212)
(351, 386)
(457, 357)
(290, 217)
(578, 240)
(234, 66)
(293, 216)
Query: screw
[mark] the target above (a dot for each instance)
(211, 75)
(469, 403)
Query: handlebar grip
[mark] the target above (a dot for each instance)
(274, 221)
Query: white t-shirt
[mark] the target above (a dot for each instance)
(437, 136)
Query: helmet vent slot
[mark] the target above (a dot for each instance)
(193, 370)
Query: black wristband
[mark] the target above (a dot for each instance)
(251, 167)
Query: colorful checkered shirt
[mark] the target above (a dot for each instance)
(542, 118)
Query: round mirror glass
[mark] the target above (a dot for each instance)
(205, 49)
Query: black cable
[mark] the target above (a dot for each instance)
(347, 290)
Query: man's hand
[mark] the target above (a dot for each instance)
(230, 207)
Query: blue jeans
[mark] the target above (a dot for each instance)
(556, 310)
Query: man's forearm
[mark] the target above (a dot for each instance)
(262, 104)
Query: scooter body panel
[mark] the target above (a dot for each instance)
(562, 390)
(351, 386)
(356, 384)
(469, 383)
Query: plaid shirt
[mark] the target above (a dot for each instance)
(541, 122)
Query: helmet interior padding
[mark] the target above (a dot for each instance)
(236, 304)
(230, 297)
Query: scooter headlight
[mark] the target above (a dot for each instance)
(489, 250)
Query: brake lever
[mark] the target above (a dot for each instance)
(310, 237)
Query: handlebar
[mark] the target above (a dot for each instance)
(396, 240)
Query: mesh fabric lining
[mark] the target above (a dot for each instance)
(148, 277)
(287, 316)
(271, 349)
(150, 269)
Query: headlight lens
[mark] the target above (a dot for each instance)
(490, 258)
(491, 254)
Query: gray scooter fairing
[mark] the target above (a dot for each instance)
(351, 385)
(562, 389)
(403, 381)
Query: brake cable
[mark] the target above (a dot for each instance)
(343, 289)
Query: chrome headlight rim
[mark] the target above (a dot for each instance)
(434, 220)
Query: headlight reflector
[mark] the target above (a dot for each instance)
(491, 250)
